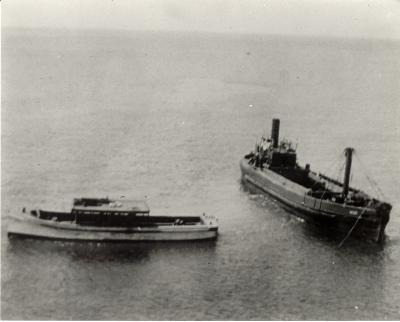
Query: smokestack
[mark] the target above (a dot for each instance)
(348, 152)
(275, 132)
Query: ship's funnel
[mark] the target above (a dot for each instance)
(348, 152)
(275, 132)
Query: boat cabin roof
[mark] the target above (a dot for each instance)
(108, 205)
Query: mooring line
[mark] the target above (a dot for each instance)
(352, 228)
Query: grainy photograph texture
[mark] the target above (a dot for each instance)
(200, 160)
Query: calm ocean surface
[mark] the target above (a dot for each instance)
(167, 117)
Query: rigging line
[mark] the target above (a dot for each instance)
(328, 168)
(332, 164)
(326, 188)
(377, 188)
(354, 225)
(339, 175)
(373, 185)
(351, 179)
(364, 168)
(322, 196)
(378, 193)
(371, 181)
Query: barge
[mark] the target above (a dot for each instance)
(103, 219)
(272, 169)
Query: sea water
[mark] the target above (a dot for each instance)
(167, 117)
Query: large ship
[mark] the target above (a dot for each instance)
(104, 219)
(272, 168)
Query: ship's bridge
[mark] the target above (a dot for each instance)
(282, 156)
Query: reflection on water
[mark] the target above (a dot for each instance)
(103, 252)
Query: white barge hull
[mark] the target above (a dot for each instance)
(30, 228)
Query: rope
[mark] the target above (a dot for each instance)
(328, 168)
(355, 223)
(371, 181)
(340, 171)
(329, 185)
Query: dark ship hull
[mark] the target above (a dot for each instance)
(338, 217)
(306, 194)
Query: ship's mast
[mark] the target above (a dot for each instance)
(348, 152)
(275, 133)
